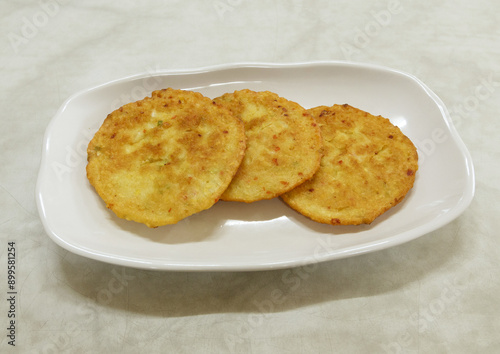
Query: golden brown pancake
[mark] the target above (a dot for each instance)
(168, 156)
(283, 145)
(368, 166)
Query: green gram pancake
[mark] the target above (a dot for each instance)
(283, 145)
(168, 156)
(368, 166)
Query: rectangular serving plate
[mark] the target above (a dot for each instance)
(263, 235)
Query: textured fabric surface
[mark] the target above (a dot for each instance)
(436, 294)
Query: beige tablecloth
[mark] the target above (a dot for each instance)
(436, 294)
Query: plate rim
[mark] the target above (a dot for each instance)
(400, 238)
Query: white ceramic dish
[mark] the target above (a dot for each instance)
(267, 234)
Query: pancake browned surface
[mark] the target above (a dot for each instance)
(161, 159)
(283, 145)
(368, 166)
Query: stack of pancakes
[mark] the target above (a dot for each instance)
(176, 153)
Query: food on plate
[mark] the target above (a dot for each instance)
(168, 156)
(283, 145)
(368, 166)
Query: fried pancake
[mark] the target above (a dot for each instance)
(283, 145)
(168, 156)
(368, 166)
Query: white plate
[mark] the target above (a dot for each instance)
(267, 234)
